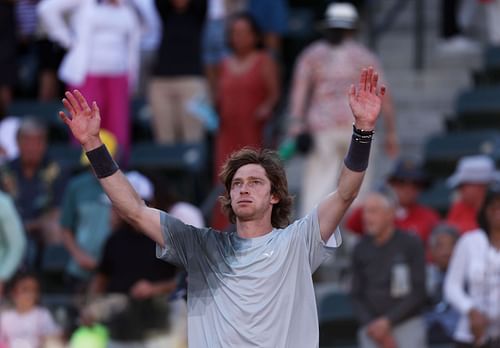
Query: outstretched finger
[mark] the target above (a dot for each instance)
(362, 79)
(373, 86)
(82, 100)
(64, 118)
(368, 82)
(95, 109)
(74, 103)
(69, 107)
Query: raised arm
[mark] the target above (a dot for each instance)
(84, 123)
(365, 101)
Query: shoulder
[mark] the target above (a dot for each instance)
(409, 240)
(474, 238)
(315, 50)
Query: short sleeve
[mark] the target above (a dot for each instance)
(48, 325)
(318, 250)
(180, 240)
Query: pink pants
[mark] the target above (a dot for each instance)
(112, 96)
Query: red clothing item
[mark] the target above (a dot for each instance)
(241, 93)
(417, 219)
(462, 216)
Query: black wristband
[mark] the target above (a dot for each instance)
(101, 161)
(359, 150)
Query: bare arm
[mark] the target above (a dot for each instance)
(84, 123)
(365, 102)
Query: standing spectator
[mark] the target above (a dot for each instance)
(28, 324)
(472, 284)
(248, 91)
(470, 180)
(102, 39)
(272, 18)
(388, 285)
(441, 317)
(85, 220)
(36, 184)
(178, 74)
(12, 240)
(319, 106)
(407, 180)
(8, 53)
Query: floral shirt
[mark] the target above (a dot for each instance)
(323, 75)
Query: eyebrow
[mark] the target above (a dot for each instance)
(248, 178)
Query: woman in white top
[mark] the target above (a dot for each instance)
(103, 42)
(472, 284)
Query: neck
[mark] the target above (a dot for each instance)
(29, 169)
(384, 236)
(253, 228)
(243, 54)
(495, 237)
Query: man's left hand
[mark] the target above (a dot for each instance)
(366, 100)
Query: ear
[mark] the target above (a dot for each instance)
(274, 199)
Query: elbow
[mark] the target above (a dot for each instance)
(134, 215)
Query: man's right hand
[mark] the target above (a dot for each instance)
(83, 121)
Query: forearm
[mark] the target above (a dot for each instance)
(164, 287)
(122, 195)
(70, 243)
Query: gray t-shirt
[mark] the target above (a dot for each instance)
(255, 292)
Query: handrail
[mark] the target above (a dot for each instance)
(377, 28)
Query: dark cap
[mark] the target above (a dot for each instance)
(409, 170)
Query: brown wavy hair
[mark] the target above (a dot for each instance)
(275, 172)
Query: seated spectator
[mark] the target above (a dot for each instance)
(407, 180)
(85, 221)
(27, 324)
(36, 184)
(440, 317)
(12, 240)
(388, 281)
(472, 284)
(146, 280)
(470, 181)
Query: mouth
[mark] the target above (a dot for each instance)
(244, 201)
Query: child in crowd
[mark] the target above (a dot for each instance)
(27, 324)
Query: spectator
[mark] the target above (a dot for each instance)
(407, 180)
(8, 143)
(178, 74)
(272, 17)
(28, 324)
(472, 284)
(85, 220)
(102, 39)
(143, 278)
(319, 106)
(215, 39)
(388, 285)
(248, 91)
(440, 317)
(470, 180)
(12, 240)
(36, 184)
(8, 54)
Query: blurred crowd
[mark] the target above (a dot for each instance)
(211, 72)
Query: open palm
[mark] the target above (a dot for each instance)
(366, 100)
(83, 121)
